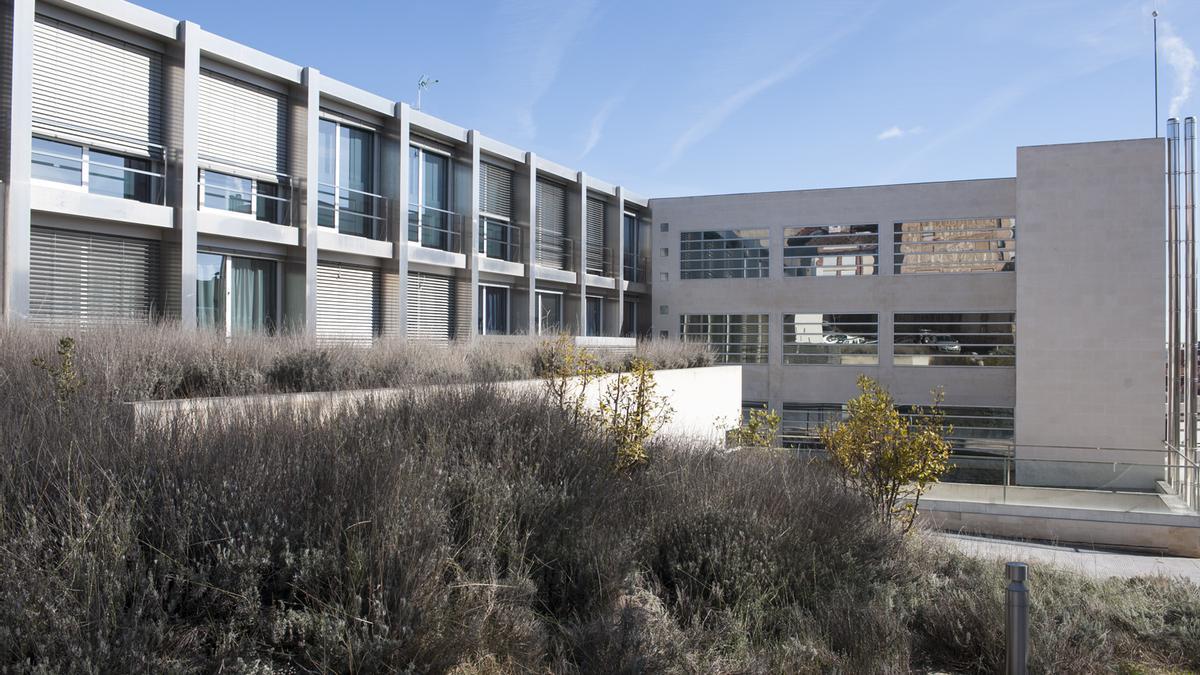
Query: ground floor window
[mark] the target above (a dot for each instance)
(629, 322)
(550, 312)
(236, 295)
(493, 310)
(595, 315)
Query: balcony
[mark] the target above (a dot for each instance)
(635, 268)
(100, 172)
(267, 201)
(554, 250)
(436, 228)
(352, 212)
(500, 240)
(600, 261)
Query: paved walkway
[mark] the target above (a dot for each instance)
(1087, 561)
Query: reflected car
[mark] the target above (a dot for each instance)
(943, 343)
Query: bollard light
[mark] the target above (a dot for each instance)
(1016, 625)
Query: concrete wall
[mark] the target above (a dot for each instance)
(883, 294)
(1091, 309)
(705, 401)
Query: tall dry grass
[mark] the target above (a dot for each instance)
(469, 532)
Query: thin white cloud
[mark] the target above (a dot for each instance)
(712, 120)
(596, 129)
(894, 132)
(1182, 60)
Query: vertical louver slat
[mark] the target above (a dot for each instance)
(431, 307)
(552, 246)
(84, 278)
(242, 124)
(597, 238)
(390, 299)
(347, 303)
(495, 190)
(93, 85)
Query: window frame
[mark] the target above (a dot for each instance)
(898, 257)
(483, 316)
(761, 355)
(797, 271)
(226, 328)
(378, 220)
(795, 357)
(692, 243)
(157, 179)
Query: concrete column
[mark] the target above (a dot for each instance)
(472, 233)
(581, 256)
(404, 115)
(17, 215)
(312, 163)
(619, 260)
(531, 167)
(190, 36)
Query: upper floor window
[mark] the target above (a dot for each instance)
(831, 250)
(97, 171)
(977, 428)
(633, 257)
(964, 245)
(735, 338)
(723, 254)
(262, 199)
(955, 339)
(498, 237)
(430, 220)
(346, 199)
(801, 423)
(831, 339)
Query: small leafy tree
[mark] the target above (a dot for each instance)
(759, 430)
(632, 411)
(886, 457)
(567, 372)
(64, 376)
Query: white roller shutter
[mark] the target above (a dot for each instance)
(431, 307)
(78, 277)
(597, 238)
(347, 302)
(552, 246)
(242, 124)
(91, 85)
(495, 190)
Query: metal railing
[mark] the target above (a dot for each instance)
(554, 250)
(635, 268)
(271, 208)
(436, 228)
(97, 176)
(599, 260)
(353, 212)
(499, 240)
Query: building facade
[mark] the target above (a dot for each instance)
(1035, 303)
(153, 169)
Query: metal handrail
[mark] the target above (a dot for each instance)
(84, 165)
(447, 238)
(508, 247)
(546, 240)
(376, 215)
(638, 264)
(606, 255)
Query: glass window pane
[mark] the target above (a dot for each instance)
(210, 291)
(493, 310)
(253, 296)
(59, 162)
(327, 173)
(120, 176)
(271, 208)
(225, 192)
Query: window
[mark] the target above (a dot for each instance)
(723, 254)
(633, 260)
(831, 339)
(493, 310)
(430, 221)
(550, 313)
(955, 339)
(96, 171)
(749, 407)
(346, 174)
(735, 338)
(226, 192)
(595, 315)
(970, 245)
(629, 322)
(236, 296)
(831, 251)
(498, 238)
(801, 423)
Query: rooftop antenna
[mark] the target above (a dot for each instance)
(426, 82)
(1153, 14)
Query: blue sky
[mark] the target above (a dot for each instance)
(680, 97)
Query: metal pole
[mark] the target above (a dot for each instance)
(1155, 15)
(1016, 619)
(1189, 290)
(1172, 285)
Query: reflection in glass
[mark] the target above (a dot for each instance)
(59, 162)
(724, 254)
(801, 423)
(227, 193)
(595, 316)
(356, 169)
(326, 172)
(210, 291)
(493, 310)
(831, 339)
(735, 338)
(121, 177)
(252, 296)
(550, 313)
(635, 266)
(830, 250)
(965, 245)
(955, 339)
